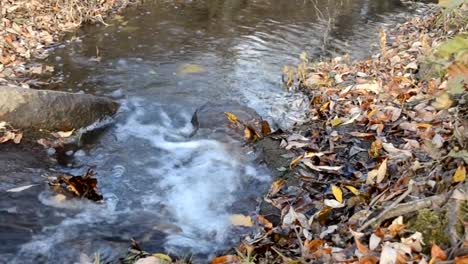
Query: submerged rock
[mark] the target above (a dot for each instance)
(52, 110)
(211, 115)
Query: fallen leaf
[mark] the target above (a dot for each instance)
(333, 203)
(388, 255)
(190, 69)
(266, 130)
(460, 174)
(336, 121)
(352, 189)
(276, 186)
(369, 260)
(163, 257)
(21, 188)
(437, 254)
(228, 259)
(65, 134)
(377, 175)
(232, 117)
(374, 241)
(241, 220)
(442, 102)
(371, 87)
(337, 193)
(461, 260)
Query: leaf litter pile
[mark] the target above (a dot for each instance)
(379, 171)
(30, 27)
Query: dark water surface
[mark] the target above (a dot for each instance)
(169, 191)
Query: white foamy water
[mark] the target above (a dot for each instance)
(156, 180)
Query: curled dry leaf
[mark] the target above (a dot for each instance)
(377, 175)
(276, 186)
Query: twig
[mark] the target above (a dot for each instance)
(384, 212)
(406, 208)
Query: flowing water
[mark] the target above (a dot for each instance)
(167, 190)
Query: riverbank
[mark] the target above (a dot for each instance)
(30, 28)
(378, 173)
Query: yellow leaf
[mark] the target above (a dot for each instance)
(190, 69)
(250, 134)
(276, 186)
(304, 57)
(442, 102)
(241, 220)
(231, 117)
(324, 106)
(295, 161)
(163, 257)
(460, 174)
(337, 193)
(336, 121)
(352, 189)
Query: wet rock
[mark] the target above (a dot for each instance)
(52, 110)
(211, 115)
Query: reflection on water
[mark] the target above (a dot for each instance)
(167, 190)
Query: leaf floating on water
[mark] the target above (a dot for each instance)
(190, 69)
(232, 117)
(241, 220)
(459, 175)
(337, 193)
(21, 188)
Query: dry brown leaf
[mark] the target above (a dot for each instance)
(228, 259)
(276, 186)
(443, 102)
(266, 130)
(265, 222)
(369, 260)
(377, 175)
(461, 260)
(437, 254)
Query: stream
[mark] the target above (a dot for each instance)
(169, 191)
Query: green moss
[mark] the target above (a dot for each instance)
(433, 227)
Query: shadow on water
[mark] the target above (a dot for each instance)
(167, 190)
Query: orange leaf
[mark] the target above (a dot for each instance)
(276, 186)
(265, 222)
(437, 253)
(361, 247)
(228, 259)
(266, 130)
(369, 260)
(461, 260)
(313, 245)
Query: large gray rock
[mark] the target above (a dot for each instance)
(52, 110)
